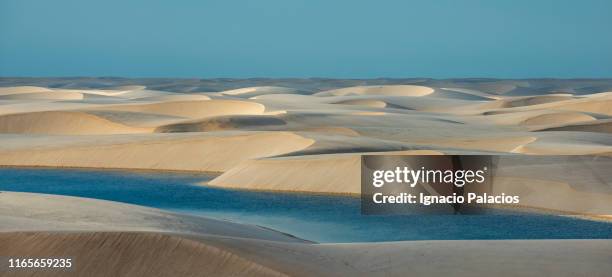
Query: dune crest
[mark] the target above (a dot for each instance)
(195, 109)
(364, 102)
(220, 123)
(330, 173)
(396, 90)
(215, 151)
(599, 126)
(23, 90)
(64, 123)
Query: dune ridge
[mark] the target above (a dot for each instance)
(62, 122)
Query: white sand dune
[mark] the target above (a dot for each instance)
(557, 118)
(20, 107)
(473, 92)
(194, 109)
(250, 92)
(498, 143)
(597, 104)
(534, 118)
(219, 123)
(23, 90)
(104, 254)
(117, 254)
(527, 101)
(398, 90)
(45, 212)
(50, 95)
(175, 97)
(217, 151)
(599, 126)
(431, 258)
(62, 122)
(331, 173)
(41, 93)
(364, 102)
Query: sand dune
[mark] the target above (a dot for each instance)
(328, 174)
(250, 92)
(52, 213)
(473, 92)
(496, 144)
(41, 93)
(137, 119)
(557, 118)
(53, 123)
(599, 126)
(403, 90)
(20, 107)
(527, 101)
(22, 90)
(332, 173)
(116, 254)
(103, 254)
(217, 151)
(597, 104)
(175, 97)
(219, 123)
(432, 258)
(194, 109)
(50, 95)
(364, 102)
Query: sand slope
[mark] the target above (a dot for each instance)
(194, 109)
(104, 254)
(432, 258)
(332, 173)
(117, 254)
(403, 90)
(43, 212)
(60, 122)
(182, 151)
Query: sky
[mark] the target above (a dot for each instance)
(309, 38)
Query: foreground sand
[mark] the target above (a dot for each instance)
(117, 254)
(114, 239)
(128, 254)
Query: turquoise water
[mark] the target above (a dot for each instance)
(313, 217)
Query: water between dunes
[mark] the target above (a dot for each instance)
(313, 217)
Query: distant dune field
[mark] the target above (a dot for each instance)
(261, 133)
(302, 135)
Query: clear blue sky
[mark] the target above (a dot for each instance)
(309, 38)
